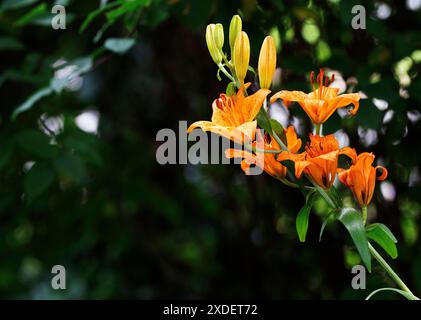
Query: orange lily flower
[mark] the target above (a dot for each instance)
(361, 177)
(319, 161)
(233, 117)
(322, 102)
(266, 161)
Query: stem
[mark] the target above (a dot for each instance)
(390, 271)
(364, 212)
(374, 252)
(224, 71)
(280, 142)
(317, 126)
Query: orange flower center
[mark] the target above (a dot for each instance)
(321, 145)
(225, 102)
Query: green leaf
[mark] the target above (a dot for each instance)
(35, 13)
(28, 104)
(277, 128)
(71, 168)
(230, 91)
(126, 7)
(119, 45)
(96, 13)
(36, 144)
(336, 196)
(407, 295)
(322, 229)
(39, 178)
(352, 221)
(301, 222)
(384, 237)
(263, 120)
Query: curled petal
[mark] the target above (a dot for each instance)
(344, 100)
(350, 152)
(384, 173)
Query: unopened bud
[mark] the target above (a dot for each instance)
(235, 29)
(215, 53)
(219, 36)
(267, 62)
(241, 56)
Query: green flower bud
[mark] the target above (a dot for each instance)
(235, 29)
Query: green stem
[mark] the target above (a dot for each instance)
(364, 213)
(224, 71)
(374, 252)
(390, 271)
(317, 126)
(280, 142)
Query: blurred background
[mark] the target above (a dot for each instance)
(79, 181)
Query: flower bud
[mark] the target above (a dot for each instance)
(235, 29)
(241, 56)
(219, 37)
(267, 62)
(215, 53)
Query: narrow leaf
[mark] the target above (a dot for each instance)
(263, 120)
(301, 222)
(32, 15)
(31, 101)
(383, 237)
(322, 229)
(352, 221)
(277, 128)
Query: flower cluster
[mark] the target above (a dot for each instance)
(234, 117)
(240, 115)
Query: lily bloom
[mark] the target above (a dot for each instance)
(266, 161)
(233, 116)
(322, 102)
(319, 161)
(361, 177)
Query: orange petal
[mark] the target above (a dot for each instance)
(344, 100)
(384, 173)
(313, 108)
(350, 152)
(293, 142)
(343, 176)
(250, 106)
(288, 96)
